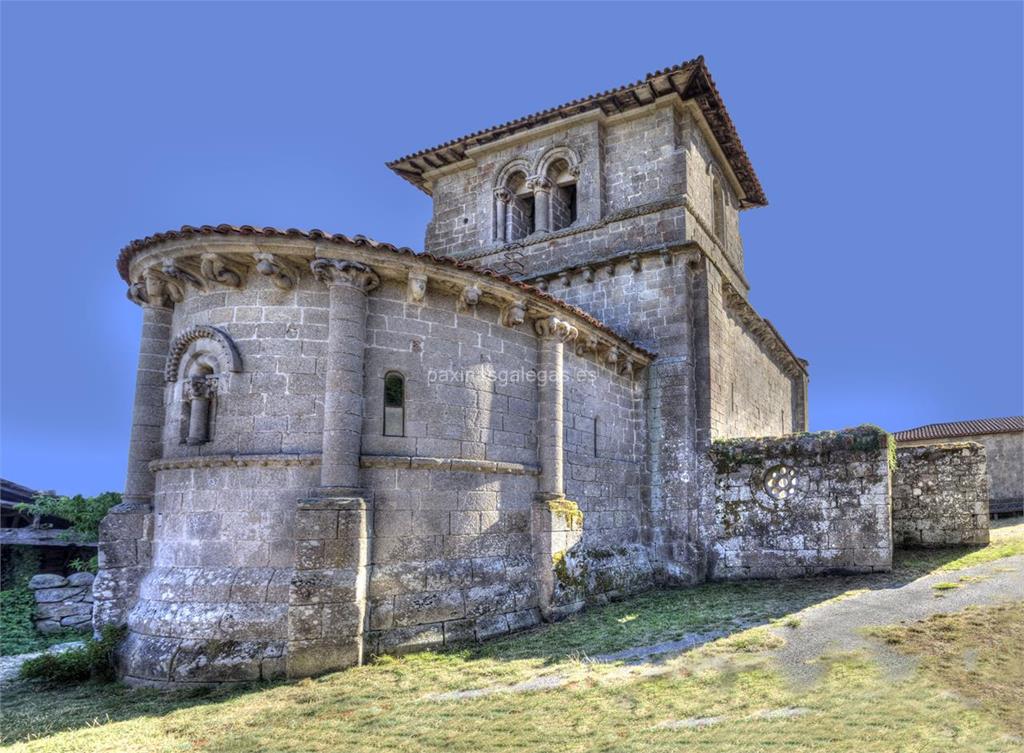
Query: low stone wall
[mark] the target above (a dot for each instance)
(801, 505)
(940, 495)
(62, 603)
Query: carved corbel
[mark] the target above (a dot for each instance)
(635, 263)
(417, 287)
(283, 275)
(553, 327)
(333, 271)
(565, 278)
(666, 257)
(588, 274)
(612, 357)
(216, 268)
(514, 313)
(610, 269)
(627, 366)
(586, 345)
(159, 288)
(177, 271)
(541, 284)
(469, 297)
(137, 293)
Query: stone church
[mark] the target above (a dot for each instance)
(341, 448)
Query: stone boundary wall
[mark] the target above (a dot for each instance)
(62, 603)
(801, 505)
(940, 495)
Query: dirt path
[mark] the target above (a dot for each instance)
(837, 626)
(827, 628)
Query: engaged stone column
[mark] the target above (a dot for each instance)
(541, 203)
(502, 197)
(553, 334)
(126, 531)
(349, 282)
(556, 523)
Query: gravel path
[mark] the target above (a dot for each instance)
(837, 626)
(9, 665)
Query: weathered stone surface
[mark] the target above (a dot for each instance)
(800, 505)
(47, 580)
(940, 495)
(81, 579)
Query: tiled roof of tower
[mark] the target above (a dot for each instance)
(955, 429)
(689, 80)
(127, 253)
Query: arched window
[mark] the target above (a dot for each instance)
(718, 209)
(202, 358)
(198, 404)
(394, 404)
(563, 194)
(520, 220)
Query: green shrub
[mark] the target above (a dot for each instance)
(84, 513)
(91, 565)
(92, 661)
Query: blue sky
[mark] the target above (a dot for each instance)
(887, 138)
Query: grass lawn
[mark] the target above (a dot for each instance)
(728, 695)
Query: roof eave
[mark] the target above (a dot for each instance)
(688, 81)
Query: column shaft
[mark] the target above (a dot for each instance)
(550, 416)
(542, 210)
(146, 443)
(343, 402)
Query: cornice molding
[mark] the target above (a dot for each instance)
(235, 461)
(518, 303)
(762, 330)
(447, 464)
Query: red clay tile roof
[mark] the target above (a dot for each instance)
(127, 253)
(689, 80)
(962, 429)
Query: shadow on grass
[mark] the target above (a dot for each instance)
(30, 710)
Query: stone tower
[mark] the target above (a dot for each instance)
(626, 204)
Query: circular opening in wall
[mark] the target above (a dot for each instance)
(781, 482)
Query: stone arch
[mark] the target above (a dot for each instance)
(558, 171)
(518, 165)
(551, 156)
(224, 352)
(513, 202)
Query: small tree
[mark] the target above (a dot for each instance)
(83, 513)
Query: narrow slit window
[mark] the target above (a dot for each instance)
(718, 210)
(394, 404)
(595, 435)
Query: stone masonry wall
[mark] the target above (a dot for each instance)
(791, 506)
(751, 394)
(1004, 458)
(940, 495)
(451, 522)
(452, 549)
(62, 603)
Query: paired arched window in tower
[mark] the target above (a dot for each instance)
(394, 404)
(543, 202)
